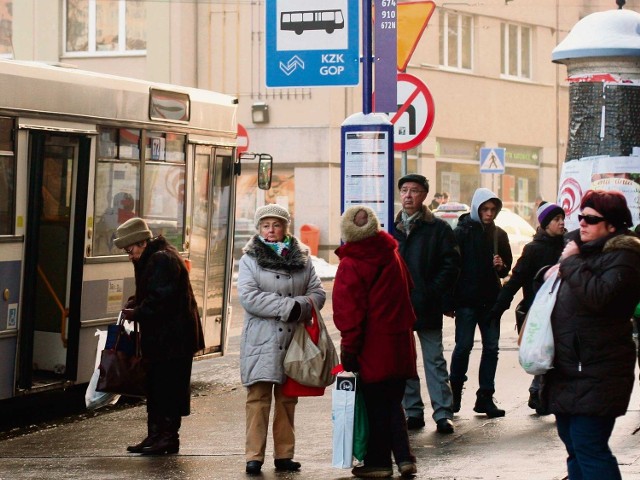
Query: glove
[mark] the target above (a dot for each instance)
(294, 315)
(349, 361)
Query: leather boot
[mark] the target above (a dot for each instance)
(456, 389)
(485, 404)
(153, 429)
(168, 440)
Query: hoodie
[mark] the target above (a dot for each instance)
(479, 282)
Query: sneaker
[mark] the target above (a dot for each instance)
(407, 469)
(415, 423)
(372, 472)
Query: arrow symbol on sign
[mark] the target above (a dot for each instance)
(291, 65)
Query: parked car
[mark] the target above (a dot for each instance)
(518, 229)
(451, 211)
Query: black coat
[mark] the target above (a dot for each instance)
(165, 305)
(542, 251)
(479, 282)
(432, 255)
(595, 355)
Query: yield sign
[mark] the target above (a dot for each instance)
(416, 113)
(243, 139)
(412, 21)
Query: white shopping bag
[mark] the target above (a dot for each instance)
(536, 344)
(92, 398)
(343, 404)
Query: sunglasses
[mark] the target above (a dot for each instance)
(591, 219)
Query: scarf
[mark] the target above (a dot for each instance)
(281, 248)
(408, 220)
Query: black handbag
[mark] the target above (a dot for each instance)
(121, 370)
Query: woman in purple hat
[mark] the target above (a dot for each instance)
(543, 250)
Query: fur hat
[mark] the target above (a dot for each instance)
(272, 210)
(132, 231)
(351, 232)
(414, 177)
(547, 212)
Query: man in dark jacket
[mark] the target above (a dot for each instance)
(429, 249)
(171, 332)
(486, 258)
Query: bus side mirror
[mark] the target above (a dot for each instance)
(265, 164)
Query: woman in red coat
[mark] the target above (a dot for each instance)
(372, 309)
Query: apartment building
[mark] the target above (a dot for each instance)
(487, 65)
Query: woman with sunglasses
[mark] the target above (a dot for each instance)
(593, 372)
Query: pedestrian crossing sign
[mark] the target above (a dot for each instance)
(492, 160)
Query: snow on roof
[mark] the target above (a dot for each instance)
(603, 34)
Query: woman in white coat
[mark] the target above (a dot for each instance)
(276, 285)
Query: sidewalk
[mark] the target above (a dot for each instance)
(516, 447)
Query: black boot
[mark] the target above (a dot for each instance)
(153, 429)
(456, 388)
(485, 404)
(168, 440)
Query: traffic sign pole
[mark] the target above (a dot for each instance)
(367, 61)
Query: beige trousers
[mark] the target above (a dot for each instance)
(258, 408)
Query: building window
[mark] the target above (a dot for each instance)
(516, 50)
(105, 27)
(6, 28)
(456, 40)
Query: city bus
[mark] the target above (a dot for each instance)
(299, 21)
(80, 153)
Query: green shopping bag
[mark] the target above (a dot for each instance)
(360, 427)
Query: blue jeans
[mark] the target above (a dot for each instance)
(587, 441)
(436, 376)
(466, 321)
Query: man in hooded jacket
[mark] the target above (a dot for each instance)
(486, 259)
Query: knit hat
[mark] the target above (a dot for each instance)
(132, 231)
(352, 232)
(414, 177)
(272, 210)
(547, 212)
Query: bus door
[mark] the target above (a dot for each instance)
(54, 243)
(211, 240)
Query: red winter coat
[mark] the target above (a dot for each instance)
(372, 308)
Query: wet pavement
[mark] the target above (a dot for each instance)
(519, 446)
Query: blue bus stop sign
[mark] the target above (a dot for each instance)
(312, 44)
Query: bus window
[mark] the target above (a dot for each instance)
(117, 187)
(7, 177)
(164, 185)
